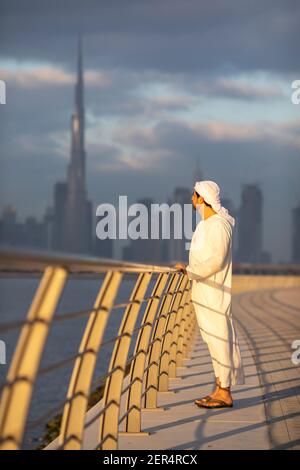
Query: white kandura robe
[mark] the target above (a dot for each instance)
(210, 269)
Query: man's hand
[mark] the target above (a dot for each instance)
(181, 267)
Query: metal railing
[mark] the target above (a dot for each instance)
(163, 338)
(159, 327)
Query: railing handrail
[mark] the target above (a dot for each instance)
(28, 260)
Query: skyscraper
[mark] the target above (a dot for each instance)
(144, 250)
(177, 248)
(296, 235)
(197, 173)
(228, 204)
(250, 225)
(78, 216)
(60, 196)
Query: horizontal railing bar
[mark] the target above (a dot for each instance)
(48, 414)
(145, 299)
(65, 316)
(149, 365)
(141, 327)
(95, 417)
(58, 365)
(127, 413)
(78, 314)
(128, 386)
(28, 260)
(63, 362)
(70, 359)
(100, 379)
(112, 340)
(11, 326)
(147, 389)
(82, 313)
(5, 327)
(41, 419)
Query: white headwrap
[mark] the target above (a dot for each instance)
(210, 192)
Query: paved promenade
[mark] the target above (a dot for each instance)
(266, 412)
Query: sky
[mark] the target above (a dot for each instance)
(169, 84)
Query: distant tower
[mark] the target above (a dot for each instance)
(9, 226)
(60, 197)
(197, 175)
(78, 228)
(228, 204)
(250, 225)
(296, 235)
(177, 247)
(146, 250)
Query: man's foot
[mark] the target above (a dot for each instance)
(215, 403)
(220, 398)
(208, 397)
(202, 400)
(214, 399)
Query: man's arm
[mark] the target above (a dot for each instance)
(216, 250)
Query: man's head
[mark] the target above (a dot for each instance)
(206, 197)
(210, 194)
(197, 200)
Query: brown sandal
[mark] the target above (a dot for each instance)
(206, 399)
(222, 404)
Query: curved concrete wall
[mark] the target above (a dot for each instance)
(248, 282)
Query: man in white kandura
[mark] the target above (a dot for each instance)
(210, 270)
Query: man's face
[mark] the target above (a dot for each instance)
(196, 200)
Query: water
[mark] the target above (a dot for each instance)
(63, 341)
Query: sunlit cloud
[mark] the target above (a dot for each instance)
(160, 135)
(236, 88)
(49, 75)
(37, 76)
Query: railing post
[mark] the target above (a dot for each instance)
(183, 323)
(175, 336)
(151, 381)
(189, 330)
(72, 426)
(109, 419)
(17, 392)
(163, 374)
(134, 397)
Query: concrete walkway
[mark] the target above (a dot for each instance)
(270, 320)
(266, 412)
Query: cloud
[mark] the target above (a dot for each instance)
(169, 36)
(175, 133)
(238, 89)
(37, 76)
(49, 75)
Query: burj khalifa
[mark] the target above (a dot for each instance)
(78, 210)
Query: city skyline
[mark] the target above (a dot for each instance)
(159, 95)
